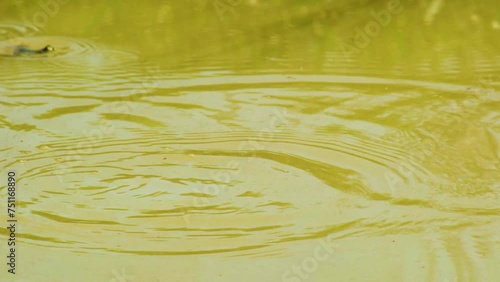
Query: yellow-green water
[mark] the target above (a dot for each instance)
(252, 141)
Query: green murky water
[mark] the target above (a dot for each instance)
(252, 141)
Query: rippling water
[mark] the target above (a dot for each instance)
(250, 169)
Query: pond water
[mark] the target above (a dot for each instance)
(241, 140)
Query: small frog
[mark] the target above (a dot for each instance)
(19, 50)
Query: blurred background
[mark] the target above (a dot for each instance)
(452, 39)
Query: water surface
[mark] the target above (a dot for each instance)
(182, 142)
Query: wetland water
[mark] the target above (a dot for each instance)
(252, 141)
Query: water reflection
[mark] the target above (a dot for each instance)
(255, 142)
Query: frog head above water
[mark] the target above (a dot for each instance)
(19, 50)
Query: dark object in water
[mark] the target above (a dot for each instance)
(19, 50)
